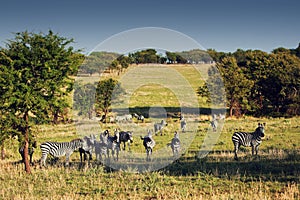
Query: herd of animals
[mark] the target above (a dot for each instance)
(111, 144)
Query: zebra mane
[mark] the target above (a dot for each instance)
(76, 140)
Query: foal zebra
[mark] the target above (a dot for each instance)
(58, 149)
(248, 139)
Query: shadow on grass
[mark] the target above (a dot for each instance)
(265, 168)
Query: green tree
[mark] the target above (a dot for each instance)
(106, 91)
(237, 86)
(40, 68)
(171, 57)
(84, 98)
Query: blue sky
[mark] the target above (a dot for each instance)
(224, 25)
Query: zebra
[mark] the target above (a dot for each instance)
(248, 139)
(159, 126)
(90, 146)
(214, 125)
(113, 144)
(124, 118)
(182, 124)
(30, 151)
(126, 136)
(101, 147)
(149, 144)
(139, 117)
(58, 149)
(175, 144)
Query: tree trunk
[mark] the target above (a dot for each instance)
(26, 133)
(2, 152)
(231, 111)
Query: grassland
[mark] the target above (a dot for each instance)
(273, 174)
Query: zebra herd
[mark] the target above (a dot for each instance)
(111, 144)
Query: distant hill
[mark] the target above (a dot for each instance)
(97, 62)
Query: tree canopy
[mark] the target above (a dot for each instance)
(35, 79)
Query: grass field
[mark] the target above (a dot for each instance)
(273, 174)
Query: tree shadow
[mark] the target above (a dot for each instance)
(248, 168)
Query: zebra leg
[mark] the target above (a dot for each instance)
(256, 150)
(117, 154)
(147, 152)
(236, 148)
(67, 159)
(43, 160)
(113, 154)
(128, 145)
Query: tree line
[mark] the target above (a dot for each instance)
(256, 82)
(99, 62)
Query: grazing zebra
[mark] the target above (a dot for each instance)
(139, 117)
(159, 126)
(124, 118)
(182, 124)
(248, 139)
(149, 144)
(30, 150)
(58, 149)
(126, 136)
(89, 149)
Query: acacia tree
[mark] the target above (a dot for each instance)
(106, 91)
(40, 66)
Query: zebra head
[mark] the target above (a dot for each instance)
(176, 135)
(260, 130)
(163, 123)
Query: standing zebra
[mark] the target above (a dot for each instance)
(58, 149)
(159, 126)
(101, 147)
(113, 144)
(175, 144)
(182, 123)
(126, 136)
(90, 140)
(248, 139)
(149, 144)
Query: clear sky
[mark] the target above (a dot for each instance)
(224, 25)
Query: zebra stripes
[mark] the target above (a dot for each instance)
(182, 124)
(248, 139)
(149, 144)
(58, 149)
(175, 144)
(159, 126)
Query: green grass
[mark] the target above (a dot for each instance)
(273, 174)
